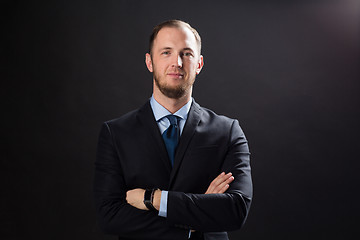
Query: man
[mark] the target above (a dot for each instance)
(172, 169)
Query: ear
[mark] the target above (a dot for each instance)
(148, 62)
(200, 64)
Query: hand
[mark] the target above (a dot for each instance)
(220, 184)
(135, 198)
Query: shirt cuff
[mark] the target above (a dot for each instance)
(163, 204)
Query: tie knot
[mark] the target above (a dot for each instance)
(173, 119)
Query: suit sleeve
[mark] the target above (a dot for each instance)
(218, 212)
(114, 214)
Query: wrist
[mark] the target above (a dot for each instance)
(157, 199)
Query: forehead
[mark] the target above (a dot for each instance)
(175, 37)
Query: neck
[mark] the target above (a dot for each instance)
(171, 104)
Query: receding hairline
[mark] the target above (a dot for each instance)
(173, 24)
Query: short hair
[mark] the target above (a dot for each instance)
(175, 24)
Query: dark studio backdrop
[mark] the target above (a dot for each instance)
(288, 70)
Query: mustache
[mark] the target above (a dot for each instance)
(176, 72)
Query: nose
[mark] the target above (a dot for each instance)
(178, 61)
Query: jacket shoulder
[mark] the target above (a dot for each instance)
(124, 119)
(209, 116)
(131, 118)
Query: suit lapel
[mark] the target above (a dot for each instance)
(188, 132)
(148, 122)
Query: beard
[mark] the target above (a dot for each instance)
(173, 92)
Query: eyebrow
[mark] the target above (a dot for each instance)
(188, 49)
(169, 48)
(165, 48)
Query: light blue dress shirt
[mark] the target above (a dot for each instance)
(159, 113)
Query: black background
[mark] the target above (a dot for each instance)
(288, 70)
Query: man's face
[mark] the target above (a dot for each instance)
(175, 61)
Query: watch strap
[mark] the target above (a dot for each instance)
(149, 198)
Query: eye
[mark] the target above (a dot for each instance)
(188, 54)
(165, 53)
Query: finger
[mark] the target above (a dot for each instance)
(221, 178)
(226, 187)
(219, 182)
(230, 179)
(221, 188)
(214, 183)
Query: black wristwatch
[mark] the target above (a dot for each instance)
(149, 198)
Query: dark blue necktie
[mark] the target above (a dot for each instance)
(171, 137)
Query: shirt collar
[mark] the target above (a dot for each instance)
(160, 112)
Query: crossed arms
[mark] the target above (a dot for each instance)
(120, 207)
(135, 197)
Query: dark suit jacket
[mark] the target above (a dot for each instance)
(131, 154)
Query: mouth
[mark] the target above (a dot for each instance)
(176, 75)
